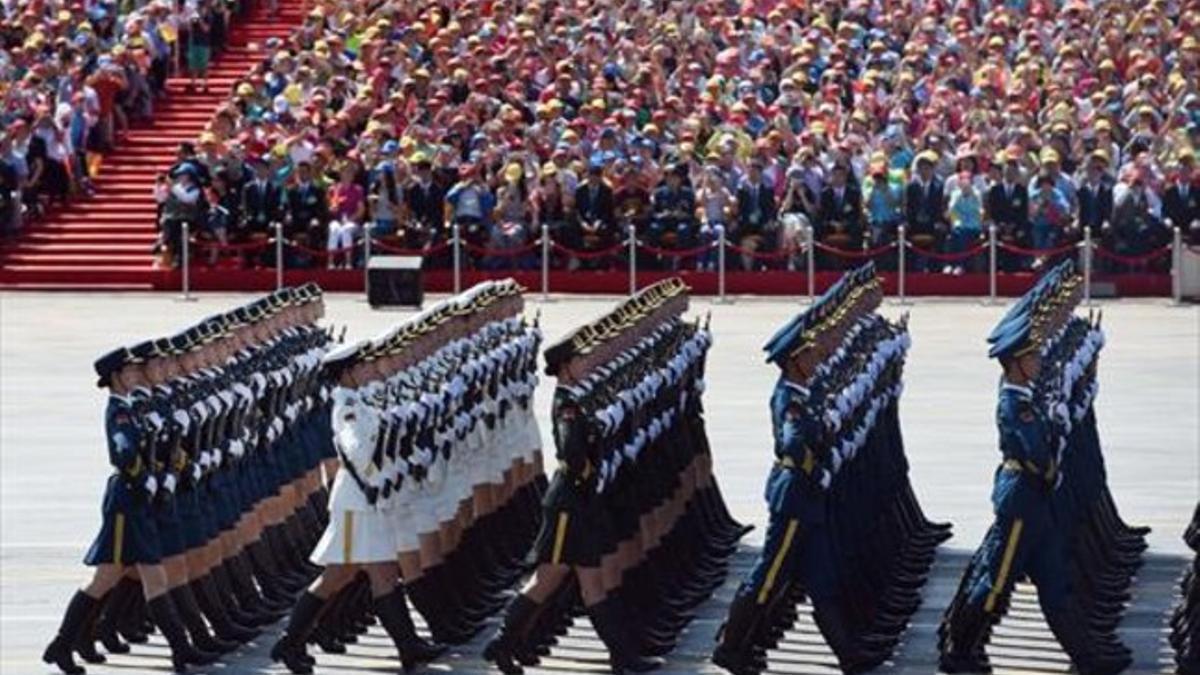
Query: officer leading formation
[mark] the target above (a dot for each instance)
(439, 481)
(635, 528)
(845, 527)
(1185, 620)
(1055, 520)
(216, 436)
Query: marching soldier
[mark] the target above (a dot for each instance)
(1029, 536)
(128, 537)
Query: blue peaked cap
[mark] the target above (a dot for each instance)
(787, 337)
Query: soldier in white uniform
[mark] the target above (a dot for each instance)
(359, 537)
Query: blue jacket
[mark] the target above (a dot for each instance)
(794, 488)
(1029, 471)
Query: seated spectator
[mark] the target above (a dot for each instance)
(469, 205)
(883, 199)
(1095, 195)
(595, 218)
(548, 202)
(1007, 207)
(840, 221)
(1181, 201)
(184, 204)
(306, 215)
(1136, 227)
(386, 198)
(423, 198)
(223, 214)
(347, 210)
(262, 202)
(673, 210)
(1049, 214)
(755, 213)
(925, 208)
(797, 212)
(717, 208)
(965, 211)
(511, 219)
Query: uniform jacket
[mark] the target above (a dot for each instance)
(796, 491)
(356, 427)
(1027, 475)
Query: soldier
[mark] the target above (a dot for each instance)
(359, 537)
(1032, 523)
(624, 514)
(845, 527)
(129, 536)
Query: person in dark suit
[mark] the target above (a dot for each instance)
(1007, 207)
(839, 221)
(307, 213)
(595, 212)
(1181, 201)
(1095, 196)
(925, 208)
(424, 198)
(262, 202)
(756, 213)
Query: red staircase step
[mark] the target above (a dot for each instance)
(105, 240)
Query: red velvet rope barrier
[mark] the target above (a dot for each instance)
(400, 250)
(1036, 251)
(588, 255)
(763, 255)
(676, 253)
(1133, 259)
(846, 253)
(502, 252)
(949, 257)
(248, 246)
(320, 253)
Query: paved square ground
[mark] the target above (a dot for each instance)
(52, 459)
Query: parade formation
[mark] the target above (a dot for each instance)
(845, 527)
(1055, 518)
(1185, 620)
(262, 468)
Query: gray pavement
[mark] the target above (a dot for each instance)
(52, 462)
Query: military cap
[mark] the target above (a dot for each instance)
(110, 363)
(143, 351)
(165, 347)
(341, 359)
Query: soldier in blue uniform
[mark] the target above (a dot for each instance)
(129, 536)
(1028, 536)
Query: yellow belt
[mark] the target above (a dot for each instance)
(786, 462)
(1012, 465)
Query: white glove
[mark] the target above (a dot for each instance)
(216, 456)
(169, 483)
(237, 449)
(196, 473)
(151, 485)
(205, 459)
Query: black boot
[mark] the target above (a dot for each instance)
(1072, 635)
(290, 648)
(106, 628)
(214, 610)
(500, 650)
(612, 627)
(183, 654)
(962, 650)
(193, 620)
(392, 610)
(735, 644)
(85, 644)
(852, 655)
(58, 652)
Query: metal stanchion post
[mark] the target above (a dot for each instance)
(1087, 266)
(186, 262)
(456, 243)
(545, 262)
(991, 264)
(367, 263)
(278, 256)
(902, 263)
(632, 259)
(1176, 265)
(721, 265)
(811, 261)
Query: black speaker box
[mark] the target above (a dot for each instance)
(394, 280)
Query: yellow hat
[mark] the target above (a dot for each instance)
(1050, 156)
(512, 172)
(1100, 154)
(244, 89)
(928, 156)
(548, 170)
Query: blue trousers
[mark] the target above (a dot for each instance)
(793, 551)
(1018, 546)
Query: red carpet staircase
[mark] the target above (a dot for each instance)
(105, 240)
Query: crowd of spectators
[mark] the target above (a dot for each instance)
(689, 118)
(74, 74)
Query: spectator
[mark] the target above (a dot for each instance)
(306, 218)
(925, 207)
(965, 212)
(386, 200)
(347, 207)
(470, 204)
(423, 200)
(262, 202)
(797, 212)
(1049, 215)
(222, 215)
(184, 203)
(755, 213)
(883, 199)
(511, 219)
(595, 218)
(549, 202)
(1135, 226)
(1095, 194)
(1181, 201)
(717, 207)
(1007, 207)
(673, 210)
(840, 221)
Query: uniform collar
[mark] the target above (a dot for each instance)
(800, 389)
(1022, 391)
